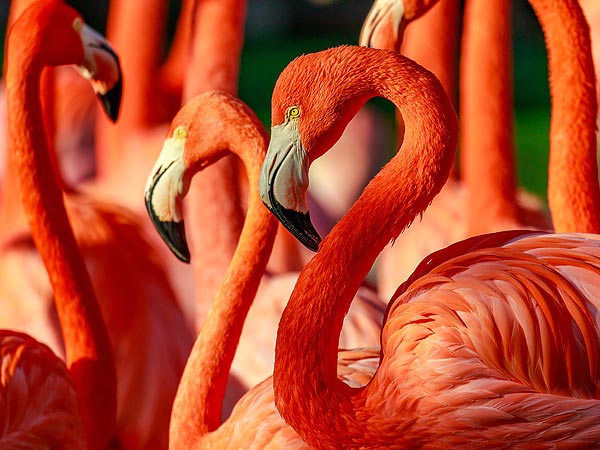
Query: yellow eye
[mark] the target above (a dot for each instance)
(180, 133)
(293, 112)
(77, 24)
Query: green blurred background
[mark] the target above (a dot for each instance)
(277, 31)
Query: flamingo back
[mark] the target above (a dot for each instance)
(502, 337)
(38, 404)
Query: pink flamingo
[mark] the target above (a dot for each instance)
(146, 326)
(207, 128)
(488, 200)
(215, 214)
(32, 45)
(492, 343)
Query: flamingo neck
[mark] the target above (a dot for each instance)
(573, 190)
(486, 104)
(144, 103)
(88, 351)
(308, 395)
(213, 208)
(172, 71)
(216, 47)
(140, 49)
(197, 406)
(439, 52)
(12, 215)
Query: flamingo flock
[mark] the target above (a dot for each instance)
(184, 296)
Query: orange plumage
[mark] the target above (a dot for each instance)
(492, 342)
(146, 326)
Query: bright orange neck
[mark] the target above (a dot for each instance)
(438, 52)
(197, 406)
(308, 395)
(573, 191)
(89, 355)
(213, 206)
(486, 105)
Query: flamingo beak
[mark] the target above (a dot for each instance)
(284, 182)
(101, 66)
(165, 189)
(384, 25)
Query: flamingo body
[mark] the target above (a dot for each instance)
(193, 143)
(492, 342)
(147, 329)
(38, 401)
(141, 311)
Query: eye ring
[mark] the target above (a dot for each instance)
(293, 112)
(180, 133)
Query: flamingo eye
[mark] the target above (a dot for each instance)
(180, 133)
(78, 24)
(293, 112)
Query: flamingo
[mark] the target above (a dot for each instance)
(487, 199)
(254, 359)
(69, 124)
(32, 45)
(208, 127)
(215, 213)
(151, 97)
(491, 343)
(146, 326)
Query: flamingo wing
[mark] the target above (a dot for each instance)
(503, 337)
(39, 408)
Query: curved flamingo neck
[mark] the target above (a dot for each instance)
(12, 215)
(438, 52)
(214, 214)
(308, 395)
(486, 104)
(88, 351)
(573, 191)
(197, 406)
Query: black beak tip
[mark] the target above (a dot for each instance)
(111, 101)
(172, 233)
(299, 224)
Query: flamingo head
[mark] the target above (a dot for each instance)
(200, 134)
(165, 189)
(60, 37)
(101, 67)
(311, 107)
(384, 25)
